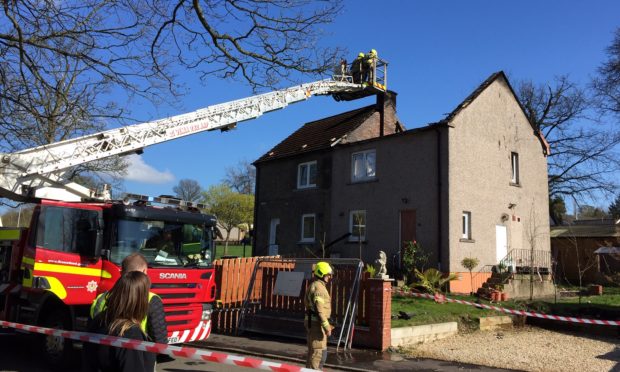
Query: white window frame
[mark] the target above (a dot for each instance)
(514, 168)
(304, 184)
(466, 225)
(365, 168)
(362, 237)
(308, 239)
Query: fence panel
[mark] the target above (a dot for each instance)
(233, 277)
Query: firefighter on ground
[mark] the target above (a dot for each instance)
(154, 325)
(357, 68)
(318, 310)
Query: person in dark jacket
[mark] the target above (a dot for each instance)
(127, 306)
(155, 322)
(155, 326)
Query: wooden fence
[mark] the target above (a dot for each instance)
(282, 314)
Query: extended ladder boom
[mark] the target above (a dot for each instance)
(29, 173)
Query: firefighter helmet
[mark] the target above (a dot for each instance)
(322, 268)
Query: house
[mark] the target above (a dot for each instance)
(471, 185)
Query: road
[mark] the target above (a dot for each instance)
(18, 353)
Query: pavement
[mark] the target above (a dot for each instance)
(294, 351)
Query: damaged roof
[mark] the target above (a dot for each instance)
(319, 134)
(485, 84)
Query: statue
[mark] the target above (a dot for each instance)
(381, 270)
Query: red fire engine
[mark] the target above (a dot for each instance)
(52, 271)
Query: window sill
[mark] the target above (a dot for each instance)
(515, 184)
(306, 188)
(462, 240)
(368, 180)
(306, 242)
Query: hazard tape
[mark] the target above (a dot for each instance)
(174, 351)
(442, 298)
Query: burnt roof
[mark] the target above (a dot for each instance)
(319, 134)
(485, 84)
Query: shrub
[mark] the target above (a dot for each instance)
(432, 280)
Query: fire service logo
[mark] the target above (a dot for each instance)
(91, 286)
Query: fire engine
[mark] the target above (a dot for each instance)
(52, 271)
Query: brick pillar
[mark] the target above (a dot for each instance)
(380, 314)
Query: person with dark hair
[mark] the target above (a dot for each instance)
(127, 306)
(154, 325)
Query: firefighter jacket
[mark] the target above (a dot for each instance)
(318, 303)
(154, 325)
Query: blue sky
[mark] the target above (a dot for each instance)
(439, 51)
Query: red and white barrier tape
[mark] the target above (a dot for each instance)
(174, 351)
(442, 298)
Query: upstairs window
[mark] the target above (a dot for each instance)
(514, 166)
(357, 226)
(306, 175)
(363, 166)
(307, 227)
(466, 232)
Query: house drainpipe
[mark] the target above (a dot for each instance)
(381, 107)
(439, 205)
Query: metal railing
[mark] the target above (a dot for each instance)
(517, 261)
(522, 261)
(371, 72)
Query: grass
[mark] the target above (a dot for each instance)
(233, 250)
(425, 311)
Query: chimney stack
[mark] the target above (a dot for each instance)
(385, 101)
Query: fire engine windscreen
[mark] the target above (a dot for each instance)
(162, 243)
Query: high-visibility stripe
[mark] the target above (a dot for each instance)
(10, 234)
(319, 300)
(56, 287)
(68, 269)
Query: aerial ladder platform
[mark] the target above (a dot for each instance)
(37, 173)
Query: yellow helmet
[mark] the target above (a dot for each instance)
(322, 268)
(372, 51)
(361, 55)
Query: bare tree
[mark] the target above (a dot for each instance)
(241, 178)
(607, 83)
(60, 61)
(188, 190)
(582, 260)
(260, 42)
(64, 63)
(583, 159)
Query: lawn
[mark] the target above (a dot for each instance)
(233, 250)
(425, 311)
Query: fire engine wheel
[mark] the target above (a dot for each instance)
(57, 349)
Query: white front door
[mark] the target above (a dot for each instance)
(501, 242)
(273, 236)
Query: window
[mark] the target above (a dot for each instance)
(363, 166)
(357, 226)
(514, 166)
(466, 226)
(66, 229)
(307, 227)
(306, 175)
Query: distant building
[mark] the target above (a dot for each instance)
(471, 185)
